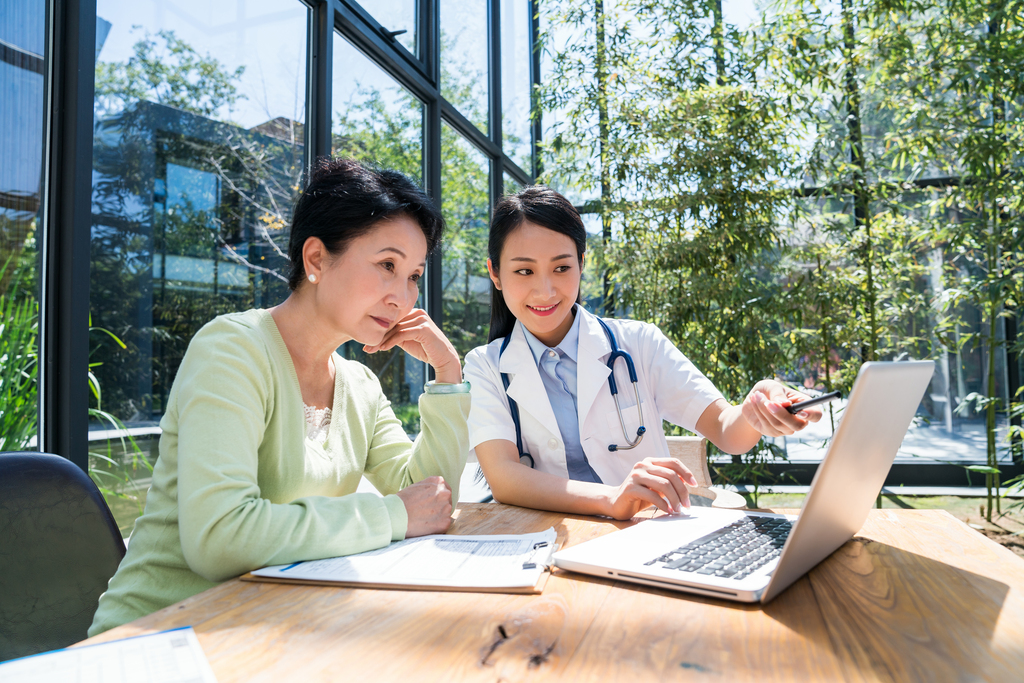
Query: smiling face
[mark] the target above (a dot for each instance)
(539, 277)
(362, 292)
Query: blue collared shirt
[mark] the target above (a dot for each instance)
(557, 368)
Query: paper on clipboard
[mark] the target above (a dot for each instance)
(173, 656)
(512, 562)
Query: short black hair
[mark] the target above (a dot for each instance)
(541, 206)
(344, 199)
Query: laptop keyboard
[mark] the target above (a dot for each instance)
(732, 552)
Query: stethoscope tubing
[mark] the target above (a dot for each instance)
(616, 354)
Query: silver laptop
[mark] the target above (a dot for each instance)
(751, 556)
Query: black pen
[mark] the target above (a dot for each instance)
(824, 398)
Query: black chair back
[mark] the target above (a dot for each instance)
(59, 546)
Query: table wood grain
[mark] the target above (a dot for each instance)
(915, 596)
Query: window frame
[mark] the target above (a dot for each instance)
(67, 175)
(422, 78)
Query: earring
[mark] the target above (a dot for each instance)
(312, 278)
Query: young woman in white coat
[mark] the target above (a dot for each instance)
(574, 450)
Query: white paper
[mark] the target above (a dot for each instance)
(167, 657)
(495, 561)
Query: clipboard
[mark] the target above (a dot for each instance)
(517, 564)
(535, 589)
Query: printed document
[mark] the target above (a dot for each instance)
(168, 657)
(497, 561)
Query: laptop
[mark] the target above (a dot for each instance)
(752, 556)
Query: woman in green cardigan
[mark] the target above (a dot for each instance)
(267, 430)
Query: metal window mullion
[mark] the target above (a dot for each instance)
(66, 227)
(428, 39)
(494, 99)
(319, 58)
(537, 132)
(467, 129)
(431, 20)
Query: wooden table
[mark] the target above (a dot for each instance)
(917, 595)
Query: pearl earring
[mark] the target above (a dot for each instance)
(312, 278)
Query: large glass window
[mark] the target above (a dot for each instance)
(464, 81)
(374, 119)
(197, 160)
(22, 40)
(515, 81)
(464, 201)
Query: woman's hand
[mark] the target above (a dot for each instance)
(765, 409)
(417, 335)
(653, 481)
(429, 506)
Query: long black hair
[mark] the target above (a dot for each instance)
(539, 205)
(344, 199)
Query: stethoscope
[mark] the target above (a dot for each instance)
(616, 354)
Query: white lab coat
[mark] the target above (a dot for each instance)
(671, 387)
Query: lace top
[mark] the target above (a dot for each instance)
(318, 423)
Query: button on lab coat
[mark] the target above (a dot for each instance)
(671, 388)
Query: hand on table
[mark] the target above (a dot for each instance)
(419, 336)
(429, 506)
(765, 409)
(653, 481)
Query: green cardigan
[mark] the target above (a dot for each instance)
(237, 485)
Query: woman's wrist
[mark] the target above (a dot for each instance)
(605, 501)
(448, 373)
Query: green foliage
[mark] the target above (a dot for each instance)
(464, 202)
(859, 253)
(689, 158)
(693, 140)
(409, 415)
(753, 472)
(114, 470)
(167, 70)
(19, 395)
(19, 353)
(378, 128)
(957, 109)
(924, 89)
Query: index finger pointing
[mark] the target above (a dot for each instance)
(679, 468)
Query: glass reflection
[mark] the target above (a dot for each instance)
(378, 121)
(515, 81)
(197, 161)
(22, 69)
(464, 194)
(464, 81)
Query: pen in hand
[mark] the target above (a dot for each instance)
(824, 398)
